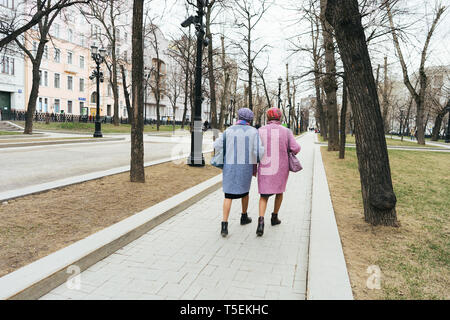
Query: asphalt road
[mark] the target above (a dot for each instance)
(26, 166)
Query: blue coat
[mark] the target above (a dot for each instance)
(243, 149)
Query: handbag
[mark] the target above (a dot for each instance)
(294, 163)
(219, 158)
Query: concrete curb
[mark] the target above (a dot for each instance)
(55, 142)
(7, 195)
(40, 277)
(23, 136)
(327, 271)
(397, 148)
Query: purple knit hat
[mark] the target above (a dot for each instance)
(245, 114)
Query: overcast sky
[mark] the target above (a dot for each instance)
(280, 23)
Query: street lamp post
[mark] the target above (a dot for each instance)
(280, 81)
(196, 158)
(298, 114)
(99, 57)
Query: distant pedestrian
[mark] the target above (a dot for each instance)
(273, 170)
(242, 150)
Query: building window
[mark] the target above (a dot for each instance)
(69, 107)
(46, 52)
(95, 32)
(46, 78)
(69, 82)
(82, 62)
(57, 80)
(108, 110)
(35, 48)
(40, 77)
(7, 3)
(69, 35)
(69, 57)
(56, 28)
(109, 90)
(7, 65)
(57, 106)
(94, 97)
(81, 85)
(57, 55)
(40, 105)
(83, 109)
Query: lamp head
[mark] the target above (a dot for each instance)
(102, 53)
(280, 80)
(94, 49)
(186, 23)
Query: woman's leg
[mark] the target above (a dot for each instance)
(226, 209)
(245, 203)
(262, 206)
(278, 201)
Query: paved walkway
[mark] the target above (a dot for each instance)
(186, 258)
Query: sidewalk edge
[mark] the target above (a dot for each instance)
(327, 271)
(40, 277)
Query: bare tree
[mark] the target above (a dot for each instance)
(379, 199)
(137, 171)
(174, 88)
(329, 81)
(34, 15)
(152, 34)
(248, 14)
(182, 52)
(419, 96)
(109, 13)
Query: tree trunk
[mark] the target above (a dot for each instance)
(115, 90)
(137, 172)
(322, 118)
(31, 108)
(329, 83)
(343, 122)
(385, 98)
(36, 64)
(127, 96)
(437, 126)
(375, 174)
(212, 79)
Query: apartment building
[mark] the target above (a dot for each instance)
(12, 95)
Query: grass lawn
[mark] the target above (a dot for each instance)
(415, 258)
(390, 142)
(90, 127)
(9, 133)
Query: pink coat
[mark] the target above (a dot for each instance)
(273, 171)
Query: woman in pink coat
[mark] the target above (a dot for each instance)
(273, 170)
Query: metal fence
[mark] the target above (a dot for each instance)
(20, 115)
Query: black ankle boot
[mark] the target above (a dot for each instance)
(245, 219)
(275, 219)
(260, 229)
(224, 230)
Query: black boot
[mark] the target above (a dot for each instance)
(224, 231)
(275, 219)
(260, 229)
(245, 219)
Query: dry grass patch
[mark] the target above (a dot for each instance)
(415, 258)
(34, 226)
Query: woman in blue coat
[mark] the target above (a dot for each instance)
(243, 150)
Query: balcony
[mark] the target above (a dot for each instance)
(70, 68)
